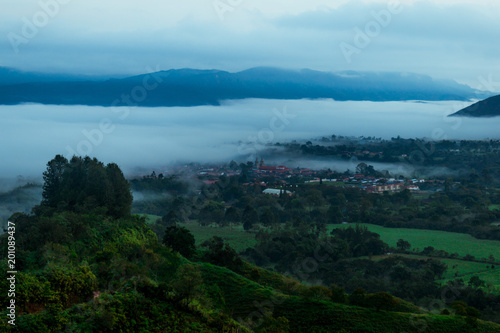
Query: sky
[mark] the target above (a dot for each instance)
(456, 40)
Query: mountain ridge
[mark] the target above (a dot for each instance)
(194, 87)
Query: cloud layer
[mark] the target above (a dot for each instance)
(452, 39)
(152, 138)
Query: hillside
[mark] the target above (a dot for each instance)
(85, 264)
(191, 87)
(95, 273)
(489, 107)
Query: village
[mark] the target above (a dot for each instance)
(280, 179)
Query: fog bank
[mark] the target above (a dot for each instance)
(153, 138)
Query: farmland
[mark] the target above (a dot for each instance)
(450, 242)
(419, 239)
(441, 240)
(234, 236)
(460, 269)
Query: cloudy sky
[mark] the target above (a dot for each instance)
(446, 39)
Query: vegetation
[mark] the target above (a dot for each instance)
(87, 265)
(449, 242)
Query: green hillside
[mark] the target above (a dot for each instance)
(113, 276)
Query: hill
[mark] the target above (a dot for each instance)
(489, 107)
(191, 87)
(84, 265)
(89, 272)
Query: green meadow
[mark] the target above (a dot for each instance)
(441, 240)
(419, 239)
(234, 235)
(450, 242)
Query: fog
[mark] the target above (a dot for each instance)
(143, 139)
(402, 169)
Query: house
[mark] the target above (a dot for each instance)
(387, 187)
(413, 188)
(276, 192)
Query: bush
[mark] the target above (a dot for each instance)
(181, 240)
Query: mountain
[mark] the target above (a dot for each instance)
(489, 107)
(10, 76)
(192, 87)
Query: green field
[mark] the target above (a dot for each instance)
(494, 207)
(234, 236)
(419, 239)
(451, 242)
(441, 240)
(467, 269)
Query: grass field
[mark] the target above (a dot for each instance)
(235, 236)
(419, 239)
(494, 207)
(463, 244)
(441, 240)
(465, 269)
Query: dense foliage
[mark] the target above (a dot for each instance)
(84, 184)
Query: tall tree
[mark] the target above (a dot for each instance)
(53, 179)
(84, 184)
(250, 217)
(122, 197)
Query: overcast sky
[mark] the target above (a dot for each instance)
(458, 40)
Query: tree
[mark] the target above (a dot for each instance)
(188, 283)
(121, 201)
(314, 198)
(170, 219)
(53, 178)
(459, 307)
(267, 218)
(428, 250)
(233, 165)
(181, 240)
(382, 301)
(358, 297)
(232, 215)
(361, 168)
(85, 184)
(212, 211)
(403, 245)
(249, 217)
(334, 215)
(222, 254)
(476, 282)
(338, 294)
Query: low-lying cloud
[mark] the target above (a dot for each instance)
(154, 138)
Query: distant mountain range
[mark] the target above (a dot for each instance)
(192, 87)
(489, 107)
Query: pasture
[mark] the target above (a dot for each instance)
(441, 240)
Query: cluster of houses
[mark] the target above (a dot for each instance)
(281, 175)
(375, 185)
